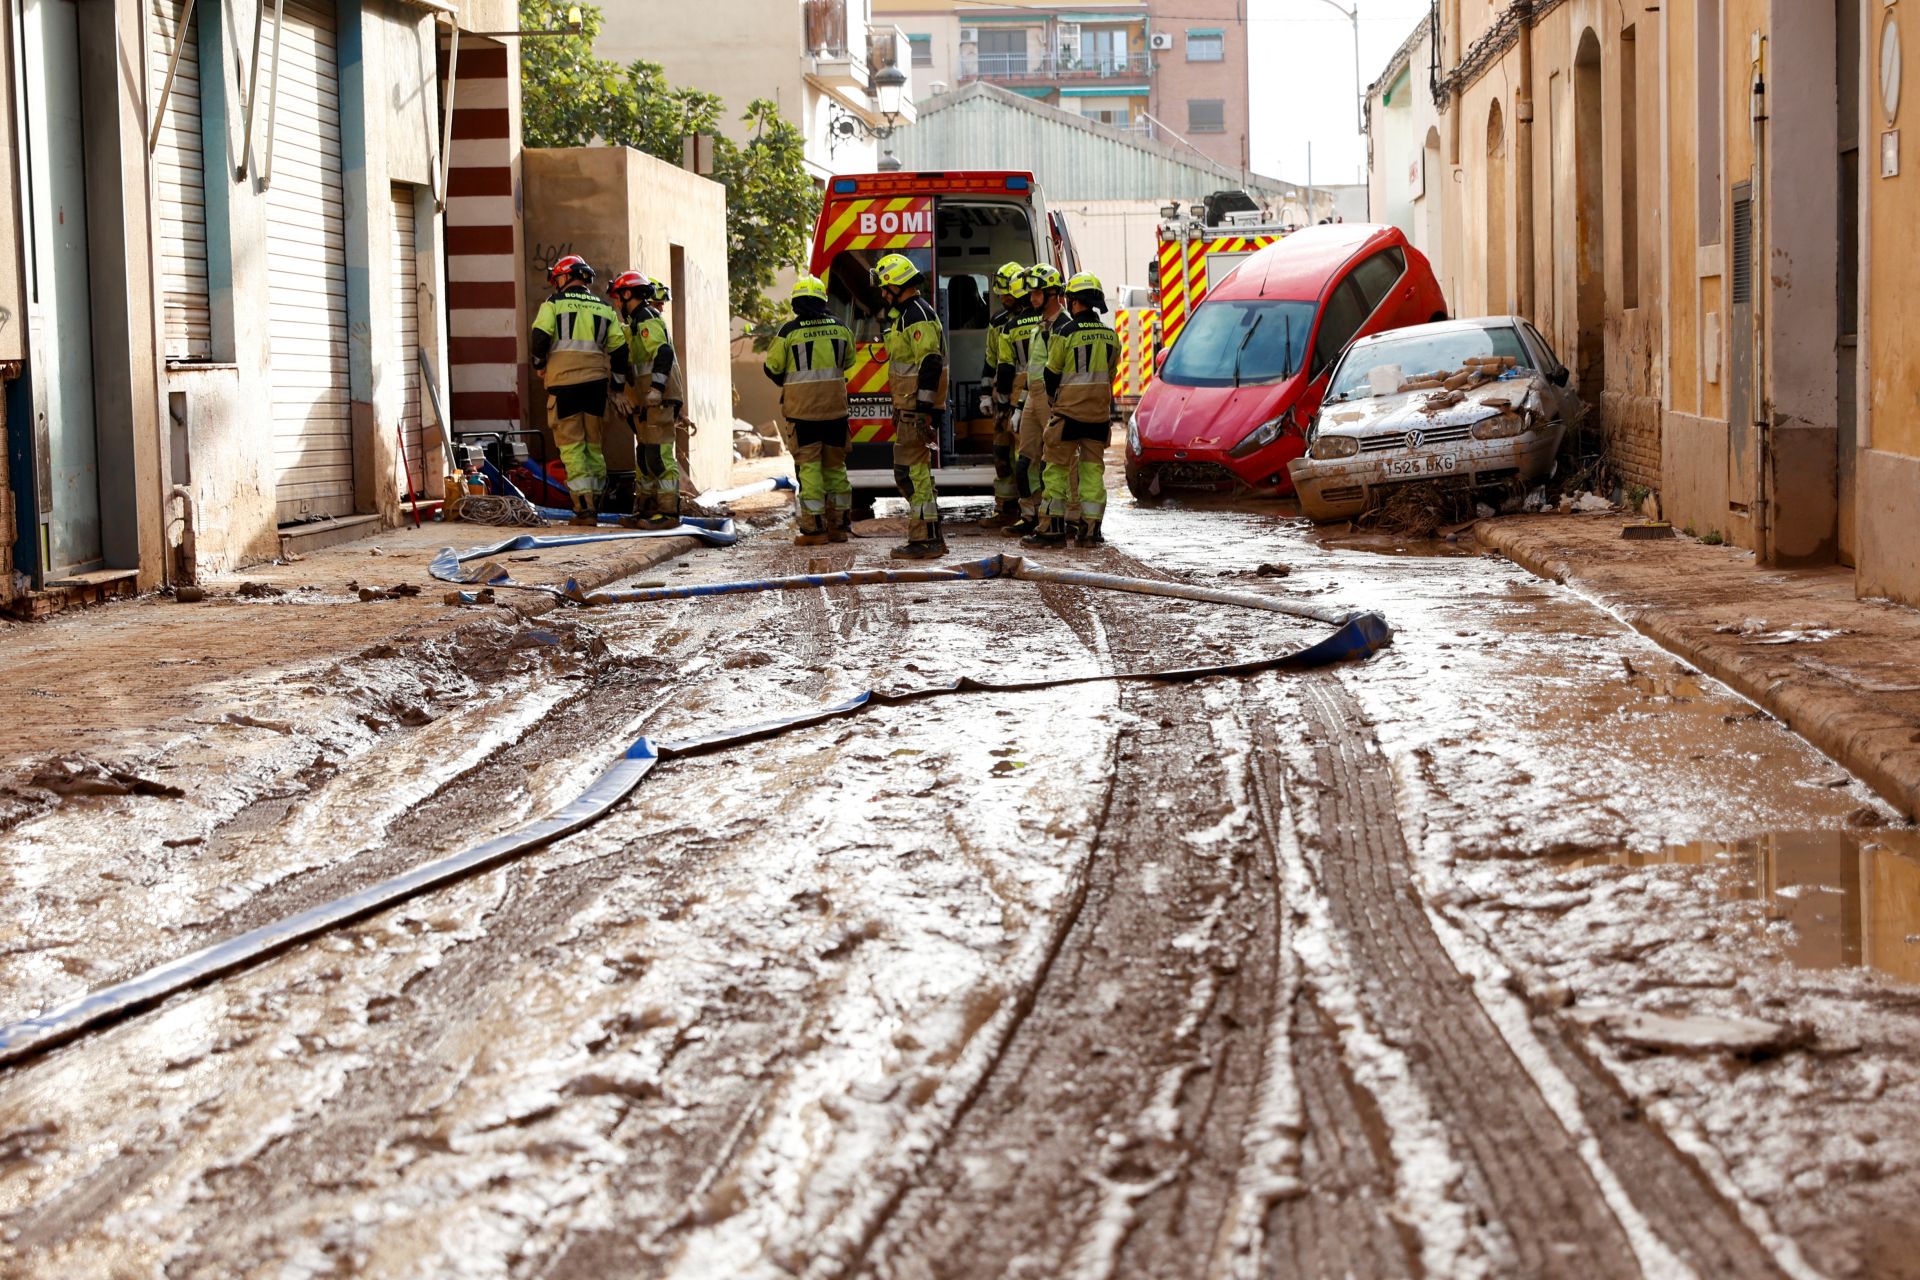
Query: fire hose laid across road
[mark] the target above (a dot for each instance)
(1356, 635)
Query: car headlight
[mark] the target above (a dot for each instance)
(1260, 437)
(1327, 448)
(1503, 426)
(1133, 433)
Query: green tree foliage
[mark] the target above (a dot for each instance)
(572, 99)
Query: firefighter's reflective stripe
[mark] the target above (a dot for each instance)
(813, 375)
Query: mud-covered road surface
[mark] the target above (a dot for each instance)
(1517, 949)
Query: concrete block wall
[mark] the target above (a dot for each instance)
(623, 210)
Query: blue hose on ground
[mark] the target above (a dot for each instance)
(1358, 635)
(446, 566)
(999, 566)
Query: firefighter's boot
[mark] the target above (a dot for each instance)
(1089, 535)
(837, 530)
(1048, 533)
(586, 510)
(1005, 517)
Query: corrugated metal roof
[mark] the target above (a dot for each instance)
(983, 126)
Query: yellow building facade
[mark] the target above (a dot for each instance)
(1707, 206)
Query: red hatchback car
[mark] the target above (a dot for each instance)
(1233, 396)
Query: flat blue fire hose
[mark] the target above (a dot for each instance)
(448, 564)
(1356, 635)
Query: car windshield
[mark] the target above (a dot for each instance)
(1421, 358)
(1229, 343)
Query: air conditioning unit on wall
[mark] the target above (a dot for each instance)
(1160, 40)
(969, 35)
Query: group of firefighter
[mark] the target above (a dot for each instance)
(597, 356)
(1048, 378)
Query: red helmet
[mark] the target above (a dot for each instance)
(571, 267)
(628, 280)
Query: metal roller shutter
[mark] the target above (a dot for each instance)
(307, 270)
(406, 322)
(180, 186)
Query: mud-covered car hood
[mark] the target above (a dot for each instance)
(1436, 408)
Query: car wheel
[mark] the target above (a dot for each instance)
(1140, 482)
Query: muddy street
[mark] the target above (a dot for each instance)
(1519, 948)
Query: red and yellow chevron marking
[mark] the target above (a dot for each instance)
(868, 377)
(900, 222)
(1173, 286)
(867, 384)
(1137, 330)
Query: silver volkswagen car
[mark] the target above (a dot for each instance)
(1478, 403)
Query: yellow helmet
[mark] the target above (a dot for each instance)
(895, 271)
(1042, 276)
(808, 287)
(1086, 288)
(661, 291)
(1007, 279)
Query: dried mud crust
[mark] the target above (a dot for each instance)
(1536, 1200)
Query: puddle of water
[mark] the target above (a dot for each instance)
(1851, 898)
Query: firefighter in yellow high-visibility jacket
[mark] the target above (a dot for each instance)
(997, 382)
(1047, 304)
(657, 380)
(1080, 363)
(917, 378)
(809, 359)
(579, 350)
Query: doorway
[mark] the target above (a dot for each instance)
(1590, 279)
(65, 448)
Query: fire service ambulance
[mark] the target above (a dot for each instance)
(957, 227)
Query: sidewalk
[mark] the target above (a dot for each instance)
(1844, 673)
(121, 679)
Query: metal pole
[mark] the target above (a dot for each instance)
(446, 133)
(1359, 85)
(253, 87)
(273, 94)
(173, 65)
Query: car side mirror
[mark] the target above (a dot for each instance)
(1559, 376)
(1160, 358)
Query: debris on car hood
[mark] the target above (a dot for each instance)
(1432, 400)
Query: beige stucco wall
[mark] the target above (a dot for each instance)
(623, 210)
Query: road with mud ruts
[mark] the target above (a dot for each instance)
(1399, 968)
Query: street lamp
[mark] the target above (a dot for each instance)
(1359, 86)
(889, 90)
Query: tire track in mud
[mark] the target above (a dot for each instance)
(1107, 1138)
(1536, 1204)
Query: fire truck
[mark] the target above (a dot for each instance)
(957, 227)
(1198, 246)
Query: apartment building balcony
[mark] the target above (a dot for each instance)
(1020, 70)
(834, 56)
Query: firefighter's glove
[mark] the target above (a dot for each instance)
(653, 397)
(984, 408)
(621, 403)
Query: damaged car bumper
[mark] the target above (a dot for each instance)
(1338, 489)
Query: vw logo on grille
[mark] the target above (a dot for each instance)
(1414, 437)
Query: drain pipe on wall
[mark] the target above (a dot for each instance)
(1762, 284)
(1523, 167)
